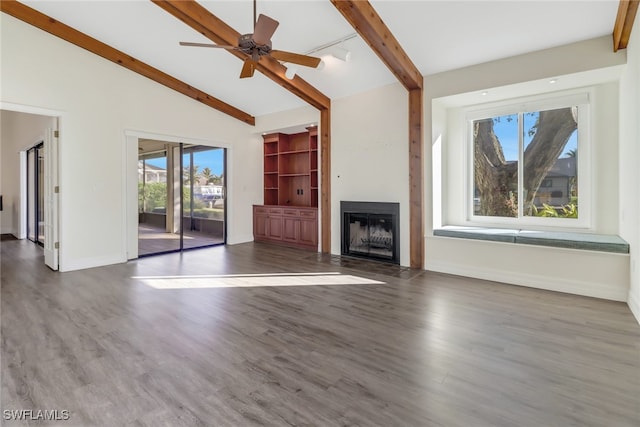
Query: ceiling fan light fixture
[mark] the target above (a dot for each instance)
(291, 72)
(341, 53)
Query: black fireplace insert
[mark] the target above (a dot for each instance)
(370, 230)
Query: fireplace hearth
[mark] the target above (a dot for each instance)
(370, 230)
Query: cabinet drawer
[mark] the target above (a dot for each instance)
(308, 213)
(275, 211)
(260, 210)
(290, 212)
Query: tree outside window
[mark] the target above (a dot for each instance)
(525, 164)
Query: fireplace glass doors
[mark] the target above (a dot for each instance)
(371, 235)
(370, 230)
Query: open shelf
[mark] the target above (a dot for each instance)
(271, 181)
(294, 142)
(271, 148)
(294, 152)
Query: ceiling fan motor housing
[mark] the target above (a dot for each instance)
(248, 45)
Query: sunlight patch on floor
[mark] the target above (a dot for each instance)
(253, 280)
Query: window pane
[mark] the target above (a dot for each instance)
(550, 163)
(187, 178)
(40, 195)
(154, 187)
(208, 187)
(31, 191)
(495, 164)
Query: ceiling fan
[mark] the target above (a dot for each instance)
(258, 44)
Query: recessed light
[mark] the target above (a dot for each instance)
(552, 81)
(485, 93)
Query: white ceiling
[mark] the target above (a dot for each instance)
(437, 35)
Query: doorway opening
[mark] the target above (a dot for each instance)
(30, 185)
(181, 196)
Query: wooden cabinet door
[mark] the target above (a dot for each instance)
(309, 232)
(274, 228)
(260, 226)
(290, 229)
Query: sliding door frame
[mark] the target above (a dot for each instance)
(130, 188)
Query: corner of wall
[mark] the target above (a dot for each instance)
(634, 305)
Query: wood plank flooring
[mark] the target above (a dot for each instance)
(258, 335)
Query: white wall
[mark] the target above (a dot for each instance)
(20, 131)
(290, 121)
(629, 160)
(100, 101)
(370, 155)
(603, 275)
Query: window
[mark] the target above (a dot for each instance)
(524, 166)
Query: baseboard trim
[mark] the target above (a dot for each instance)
(83, 263)
(634, 304)
(596, 290)
(239, 239)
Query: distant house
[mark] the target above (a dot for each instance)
(152, 173)
(559, 184)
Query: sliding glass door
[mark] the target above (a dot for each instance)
(35, 194)
(181, 197)
(204, 196)
(156, 233)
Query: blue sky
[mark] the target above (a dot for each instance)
(213, 159)
(506, 129)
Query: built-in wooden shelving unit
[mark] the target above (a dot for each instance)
(290, 181)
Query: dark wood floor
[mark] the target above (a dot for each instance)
(252, 337)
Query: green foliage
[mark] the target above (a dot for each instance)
(207, 175)
(152, 196)
(186, 174)
(548, 211)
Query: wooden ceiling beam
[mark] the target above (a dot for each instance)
(627, 10)
(366, 21)
(71, 35)
(216, 30)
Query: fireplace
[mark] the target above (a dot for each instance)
(370, 230)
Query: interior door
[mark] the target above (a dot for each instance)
(51, 195)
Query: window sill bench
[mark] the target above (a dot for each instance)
(557, 239)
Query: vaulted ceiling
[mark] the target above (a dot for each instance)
(437, 36)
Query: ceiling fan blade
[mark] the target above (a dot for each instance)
(264, 29)
(207, 45)
(247, 69)
(296, 58)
